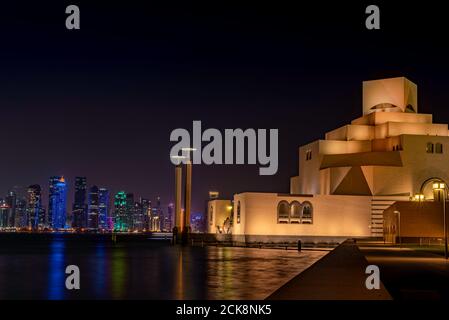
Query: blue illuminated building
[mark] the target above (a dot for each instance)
(57, 203)
(103, 208)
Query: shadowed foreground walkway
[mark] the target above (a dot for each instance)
(410, 273)
(340, 275)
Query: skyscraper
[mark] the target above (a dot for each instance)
(4, 209)
(155, 220)
(93, 208)
(11, 202)
(34, 197)
(42, 218)
(158, 216)
(120, 217)
(79, 212)
(168, 218)
(21, 217)
(103, 208)
(146, 212)
(57, 203)
(138, 217)
(130, 210)
(21, 213)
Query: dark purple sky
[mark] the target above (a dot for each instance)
(101, 102)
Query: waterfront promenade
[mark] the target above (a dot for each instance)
(340, 275)
(412, 272)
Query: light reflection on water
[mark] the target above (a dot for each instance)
(56, 270)
(243, 273)
(148, 270)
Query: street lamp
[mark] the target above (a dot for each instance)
(440, 186)
(419, 197)
(399, 227)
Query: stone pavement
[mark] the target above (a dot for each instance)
(340, 275)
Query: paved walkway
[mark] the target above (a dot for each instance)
(410, 274)
(340, 275)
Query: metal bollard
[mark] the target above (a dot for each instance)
(299, 245)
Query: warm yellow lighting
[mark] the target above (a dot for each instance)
(229, 207)
(438, 186)
(418, 197)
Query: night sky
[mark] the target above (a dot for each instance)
(101, 102)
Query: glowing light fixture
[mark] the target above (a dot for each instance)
(419, 197)
(442, 186)
(438, 186)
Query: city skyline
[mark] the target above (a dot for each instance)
(91, 209)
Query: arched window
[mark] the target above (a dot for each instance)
(295, 212)
(283, 212)
(307, 213)
(238, 211)
(429, 148)
(438, 148)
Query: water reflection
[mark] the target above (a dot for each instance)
(179, 289)
(243, 273)
(36, 270)
(118, 272)
(99, 264)
(56, 271)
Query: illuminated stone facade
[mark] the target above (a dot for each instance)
(357, 171)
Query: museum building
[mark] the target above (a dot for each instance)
(347, 180)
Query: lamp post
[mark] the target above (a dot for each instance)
(399, 228)
(420, 197)
(178, 197)
(441, 186)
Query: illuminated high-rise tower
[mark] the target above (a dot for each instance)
(11, 202)
(138, 216)
(93, 208)
(57, 203)
(34, 198)
(120, 216)
(103, 208)
(4, 208)
(168, 218)
(146, 212)
(21, 213)
(79, 212)
(130, 209)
